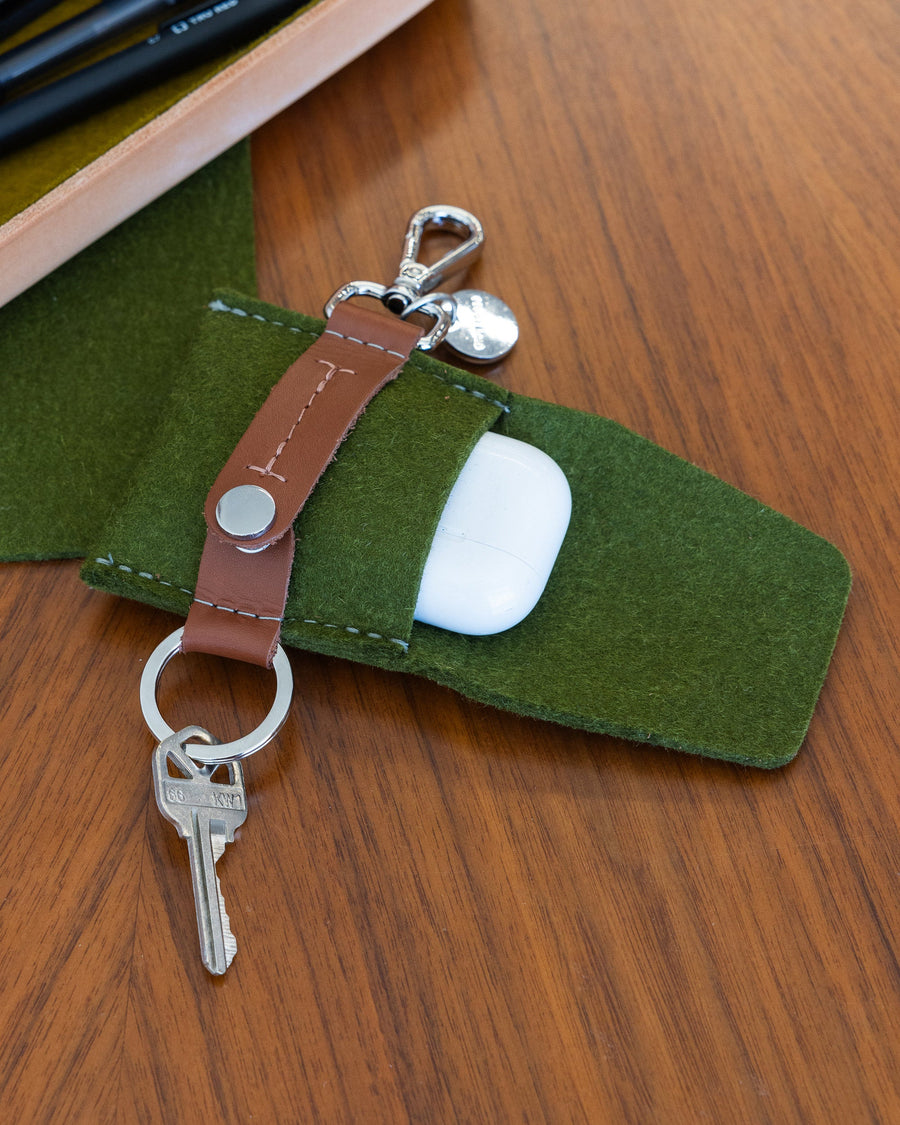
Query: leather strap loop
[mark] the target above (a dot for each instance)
(240, 596)
(239, 601)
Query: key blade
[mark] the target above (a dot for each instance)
(229, 942)
(228, 938)
(217, 943)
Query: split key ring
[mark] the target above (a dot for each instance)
(222, 752)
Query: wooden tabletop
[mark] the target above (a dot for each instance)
(446, 913)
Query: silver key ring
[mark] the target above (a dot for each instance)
(224, 751)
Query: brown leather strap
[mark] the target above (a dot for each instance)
(239, 602)
(240, 596)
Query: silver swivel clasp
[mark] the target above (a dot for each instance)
(476, 325)
(415, 279)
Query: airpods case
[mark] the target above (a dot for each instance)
(497, 539)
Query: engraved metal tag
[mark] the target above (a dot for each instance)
(484, 328)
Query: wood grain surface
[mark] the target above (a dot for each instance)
(446, 913)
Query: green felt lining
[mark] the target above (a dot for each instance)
(680, 612)
(88, 356)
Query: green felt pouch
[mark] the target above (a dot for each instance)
(680, 612)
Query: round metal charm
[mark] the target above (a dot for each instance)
(484, 328)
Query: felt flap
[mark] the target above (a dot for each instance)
(680, 612)
(365, 532)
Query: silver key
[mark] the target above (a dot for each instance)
(206, 814)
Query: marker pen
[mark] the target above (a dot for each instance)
(183, 42)
(92, 27)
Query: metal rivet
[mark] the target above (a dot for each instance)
(245, 512)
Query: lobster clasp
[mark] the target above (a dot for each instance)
(474, 324)
(415, 279)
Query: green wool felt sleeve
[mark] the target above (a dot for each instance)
(680, 612)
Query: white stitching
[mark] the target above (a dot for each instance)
(358, 632)
(477, 394)
(220, 306)
(110, 562)
(365, 343)
(239, 612)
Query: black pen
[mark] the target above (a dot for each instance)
(191, 38)
(73, 37)
(17, 13)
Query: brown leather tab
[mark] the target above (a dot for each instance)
(293, 437)
(240, 597)
(239, 601)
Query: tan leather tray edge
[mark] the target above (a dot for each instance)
(189, 134)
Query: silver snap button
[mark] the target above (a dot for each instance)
(245, 512)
